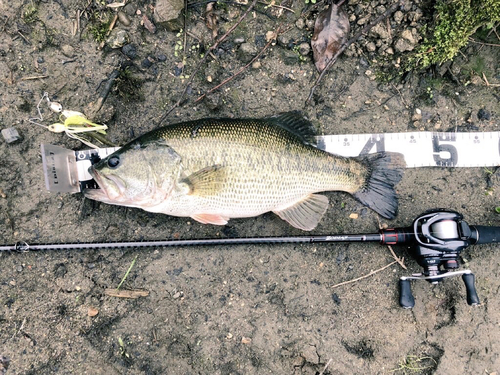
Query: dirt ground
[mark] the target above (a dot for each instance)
(236, 309)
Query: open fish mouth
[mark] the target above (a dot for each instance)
(110, 187)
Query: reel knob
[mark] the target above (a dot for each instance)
(406, 299)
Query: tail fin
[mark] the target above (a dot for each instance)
(385, 171)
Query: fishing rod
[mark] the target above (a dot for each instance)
(436, 237)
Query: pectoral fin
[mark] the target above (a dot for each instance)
(211, 219)
(306, 213)
(206, 181)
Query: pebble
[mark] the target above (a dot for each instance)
(19, 268)
(130, 51)
(11, 135)
(398, 16)
(247, 51)
(124, 18)
(304, 49)
(483, 114)
(371, 47)
(300, 23)
(256, 65)
(146, 63)
(68, 50)
(117, 38)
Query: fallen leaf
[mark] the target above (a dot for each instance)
(330, 32)
(92, 311)
(148, 24)
(211, 18)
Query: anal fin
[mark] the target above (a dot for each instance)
(306, 213)
(211, 219)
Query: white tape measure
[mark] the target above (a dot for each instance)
(422, 149)
(67, 170)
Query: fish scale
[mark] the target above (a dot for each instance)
(216, 169)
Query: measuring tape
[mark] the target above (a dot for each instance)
(422, 149)
(66, 171)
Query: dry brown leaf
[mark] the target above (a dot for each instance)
(330, 32)
(148, 24)
(211, 18)
(126, 293)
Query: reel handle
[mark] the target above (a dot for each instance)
(481, 234)
(406, 299)
(472, 298)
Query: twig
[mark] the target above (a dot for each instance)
(198, 67)
(326, 366)
(239, 71)
(136, 293)
(484, 44)
(111, 26)
(33, 77)
(22, 36)
(365, 276)
(341, 50)
(105, 91)
(126, 273)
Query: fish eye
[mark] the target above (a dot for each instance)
(113, 162)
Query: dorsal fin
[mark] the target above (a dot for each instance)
(296, 123)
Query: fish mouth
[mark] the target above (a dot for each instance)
(110, 189)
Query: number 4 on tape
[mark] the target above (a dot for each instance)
(422, 149)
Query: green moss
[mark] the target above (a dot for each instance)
(30, 13)
(454, 22)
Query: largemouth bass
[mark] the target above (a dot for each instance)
(213, 170)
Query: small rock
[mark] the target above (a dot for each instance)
(130, 51)
(92, 311)
(380, 31)
(371, 47)
(398, 16)
(40, 60)
(353, 216)
(124, 18)
(146, 63)
(247, 51)
(19, 268)
(406, 42)
(117, 38)
(304, 49)
(11, 135)
(256, 65)
(483, 114)
(246, 340)
(300, 23)
(363, 20)
(168, 10)
(68, 50)
(130, 9)
(239, 40)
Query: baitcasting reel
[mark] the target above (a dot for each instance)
(439, 237)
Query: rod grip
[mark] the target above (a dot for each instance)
(485, 234)
(472, 298)
(406, 299)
